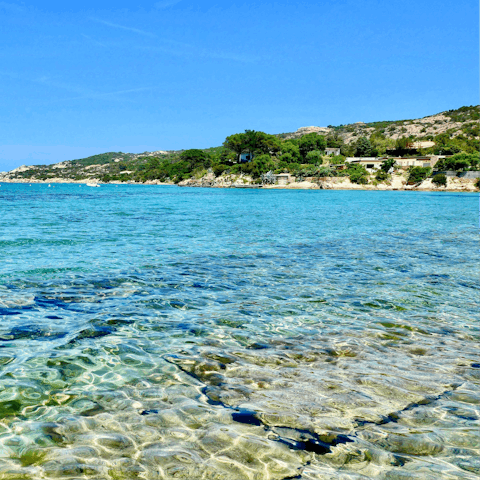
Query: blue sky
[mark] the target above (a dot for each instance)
(79, 78)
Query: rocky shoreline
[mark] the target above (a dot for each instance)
(398, 182)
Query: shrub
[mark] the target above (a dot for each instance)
(357, 173)
(311, 141)
(294, 168)
(288, 147)
(364, 148)
(199, 173)
(195, 158)
(337, 160)
(418, 174)
(358, 177)
(388, 164)
(477, 183)
(324, 172)
(461, 161)
(440, 180)
(314, 157)
(381, 176)
(219, 169)
(287, 157)
(260, 164)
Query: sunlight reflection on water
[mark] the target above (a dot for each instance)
(160, 332)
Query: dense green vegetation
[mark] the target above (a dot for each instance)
(381, 176)
(460, 161)
(301, 157)
(418, 174)
(305, 156)
(102, 158)
(440, 179)
(464, 114)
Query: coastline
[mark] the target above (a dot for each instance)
(326, 183)
(398, 182)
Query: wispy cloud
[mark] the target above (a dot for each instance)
(84, 93)
(123, 27)
(79, 91)
(174, 47)
(166, 4)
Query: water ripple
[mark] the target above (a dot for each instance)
(159, 332)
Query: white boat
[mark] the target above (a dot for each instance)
(93, 185)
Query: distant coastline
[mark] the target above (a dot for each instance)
(435, 153)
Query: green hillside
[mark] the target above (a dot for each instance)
(301, 153)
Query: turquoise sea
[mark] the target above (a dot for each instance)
(155, 332)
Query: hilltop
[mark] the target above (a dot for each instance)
(463, 121)
(301, 153)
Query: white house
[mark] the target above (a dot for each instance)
(414, 162)
(332, 151)
(370, 163)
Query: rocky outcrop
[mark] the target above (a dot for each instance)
(223, 181)
(306, 130)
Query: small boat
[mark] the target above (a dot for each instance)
(49, 185)
(90, 184)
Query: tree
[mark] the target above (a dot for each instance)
(235, 143)
(291, 148)
(380, 143)
(462, 160)
(287, 158)
(448, 149)
(418, 174)
(226, 156)
(250, 141)
(388, 164)
(402, 143)
(267, 144)
(261, 164)
(314, 157)
(255, 143)
(444, 145)
(311, 141)
(334, 141)
(364, 148)
(357, 173)
(195, 158)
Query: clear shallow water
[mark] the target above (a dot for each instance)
(159, 332)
